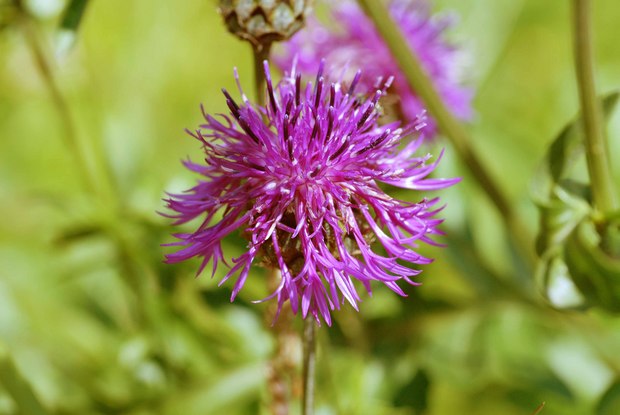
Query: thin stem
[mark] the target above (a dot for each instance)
(597, 152)
(309, 366)
(70, 137)
(87, 172)
(538, 409)
(261, 54)
(448, 124)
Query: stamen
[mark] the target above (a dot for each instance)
(332, 95)
(298, 89)
(369, 109)
(375, 142)
(318, 92)
(246, 127)
(330, 123)
(356, 79)
(341, 149)
(272, 99)
(232, 105)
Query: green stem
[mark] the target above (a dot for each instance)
(261, 54)
(448, 124)
(538, 409)
(17, 387)
(70, 137)
(597, 152)
(86, 171)
(307, 407)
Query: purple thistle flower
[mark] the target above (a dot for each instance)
(354, 42)
(299, 177)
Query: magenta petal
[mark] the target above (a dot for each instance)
(299, 178)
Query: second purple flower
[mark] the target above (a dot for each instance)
(351, 40)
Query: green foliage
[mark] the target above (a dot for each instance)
(568, 242)
(92, 321)
(73, 15)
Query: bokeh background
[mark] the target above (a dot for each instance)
(95, 323)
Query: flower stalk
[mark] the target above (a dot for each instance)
(261, 54)
(446, 121)
(309, 366)
(597, 153)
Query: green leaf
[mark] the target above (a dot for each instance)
(559, 216)
(73, 15)
(8, 13)
(610, 402)
(564, 152)
(563, 202)
(596, 273)
(415, 393)
(18, 387)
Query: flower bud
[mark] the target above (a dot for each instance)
(262, 22)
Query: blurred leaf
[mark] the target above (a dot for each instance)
(595, 273)
(473, 266)
(73, 15)
(610, 402)
(8, 13)
(231, 387)
(564, 151)
(415, 393)
(78, 233)
(563, 203)
(18, 387)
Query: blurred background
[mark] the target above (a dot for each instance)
(93, 322)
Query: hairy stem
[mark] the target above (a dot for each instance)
(282, 376)
(261, 54)
(309, 366)
(448, 124)
(597, 153)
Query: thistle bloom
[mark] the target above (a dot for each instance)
(299, 177)
(355, 42)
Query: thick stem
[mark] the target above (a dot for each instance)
(448, 124)
(309, 366)
(597, 153)
(261, 54)
(283, 372)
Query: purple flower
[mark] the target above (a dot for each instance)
(353, 41)
(300, 178)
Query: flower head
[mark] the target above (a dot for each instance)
(355, 42)
(300, 178)
(263, 22)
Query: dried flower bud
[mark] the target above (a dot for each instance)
(262, 22)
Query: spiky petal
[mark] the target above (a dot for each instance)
(300, 178)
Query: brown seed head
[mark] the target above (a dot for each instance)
(262, 22)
